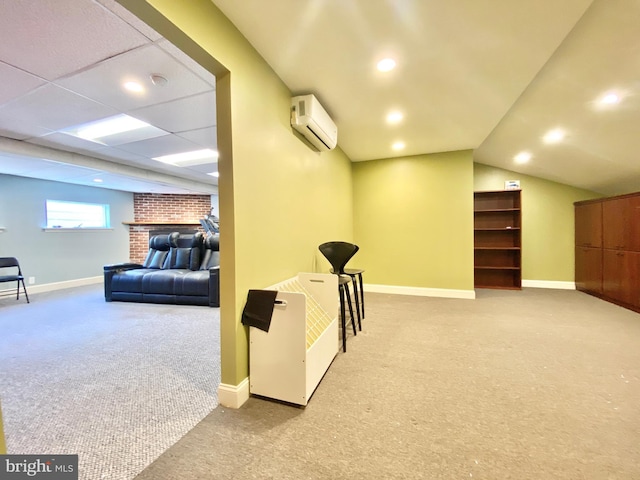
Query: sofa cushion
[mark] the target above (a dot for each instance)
(159, 246)
(161, 281)
(211, 256)
(129, 280)
(186, 252)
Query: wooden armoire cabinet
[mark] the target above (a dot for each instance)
(608, 249)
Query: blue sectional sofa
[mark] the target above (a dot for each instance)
(178, 269)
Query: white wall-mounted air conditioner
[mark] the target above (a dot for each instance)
(313, 122)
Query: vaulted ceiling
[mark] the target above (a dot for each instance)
(489, 75)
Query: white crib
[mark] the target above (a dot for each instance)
(288, 362)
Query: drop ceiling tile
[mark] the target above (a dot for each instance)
(188, 62)
(131, 19)
(190, 113)
(20, 130)
(82, 34)
(205, 167)
(16, 82)
(52, 108)
(66, 142)
(104, 81)
(206, 137)
(156, 147)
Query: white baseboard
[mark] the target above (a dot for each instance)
(233, 396)
(549, 284)
(420, 292)
(50, 287)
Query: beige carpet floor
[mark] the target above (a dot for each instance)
(115, 383)
(532, 384)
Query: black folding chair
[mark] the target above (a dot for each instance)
(12, 262)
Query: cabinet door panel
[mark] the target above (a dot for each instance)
(589, 224)
(633, 229)
(621, 276)
(615, 223)
(589, 269)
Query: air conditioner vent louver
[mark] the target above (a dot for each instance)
(312, 121)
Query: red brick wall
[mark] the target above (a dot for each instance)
(164, 211)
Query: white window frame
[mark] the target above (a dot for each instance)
(63, 215)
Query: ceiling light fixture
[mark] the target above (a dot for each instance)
(214, 174)
(386, 65)
(109, 126)
(185, 159)
(134, 87)
(394, 117)
(97, 180)
(116, 130)
(398, 145)
(522, 157)
(553, 136)
(610, 99)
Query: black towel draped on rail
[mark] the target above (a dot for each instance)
(259, 309)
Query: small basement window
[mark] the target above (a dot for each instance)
(62, 214)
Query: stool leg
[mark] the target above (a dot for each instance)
(343, 322)
(353, 321)
(357, 296)
(361, 293)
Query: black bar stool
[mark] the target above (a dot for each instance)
(338, 254)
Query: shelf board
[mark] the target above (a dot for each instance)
(496, 229)
(484, 267)
(497, 210)
(496, 248)
(498, 287)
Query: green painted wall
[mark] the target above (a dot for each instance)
(413, 220)
(547, 222)
(278, 198)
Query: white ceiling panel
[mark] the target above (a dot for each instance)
(16, 82)
(70, 142)
(156, 147)
(53, 108)
(63, 35)
(191, 113)
(188, 62)
(205, 137)
(104, 82)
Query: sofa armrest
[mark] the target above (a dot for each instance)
(110, 271)
(214, 286)
(119, 267)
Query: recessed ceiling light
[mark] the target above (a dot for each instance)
(394, 117)
(554, 136)
(185, 159)
(97, 180)
(214, 174)
(386, 64)
(134, 87)
(610, 99)
(522, 157)
(398, 145)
